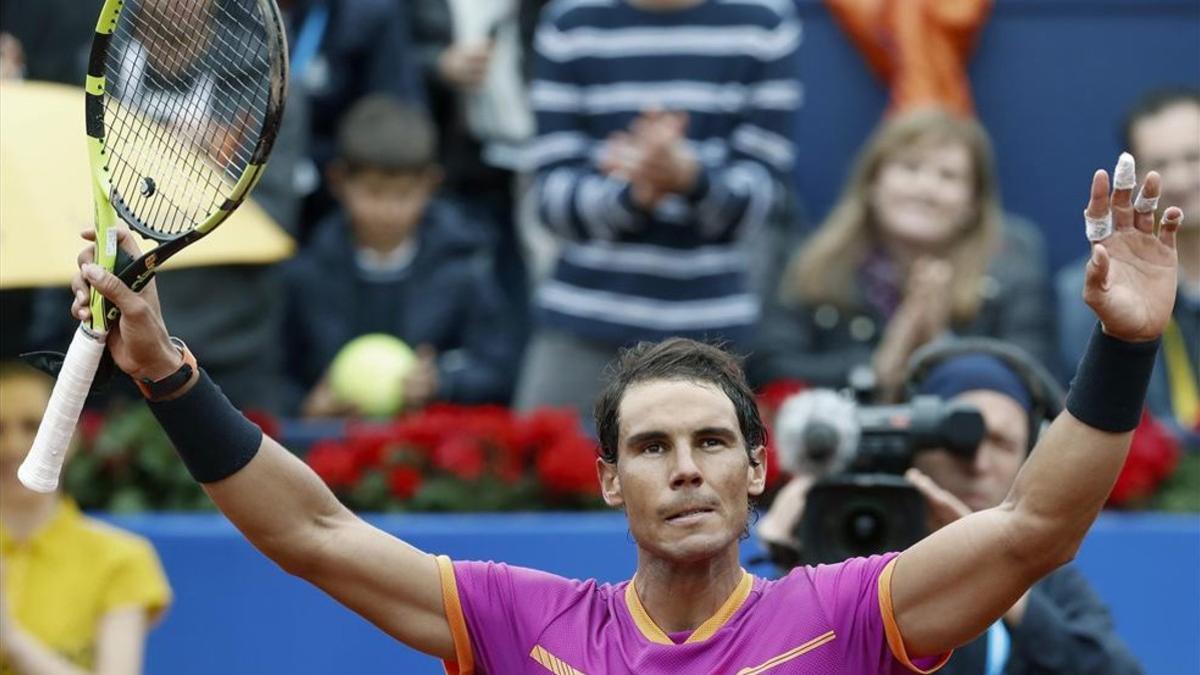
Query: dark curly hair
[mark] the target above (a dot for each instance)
(676, 359)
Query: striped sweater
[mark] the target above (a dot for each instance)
(625, 274)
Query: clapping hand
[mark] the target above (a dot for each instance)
(653, 156)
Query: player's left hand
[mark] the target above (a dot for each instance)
(1131, 277)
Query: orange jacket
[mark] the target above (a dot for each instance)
(918, 47)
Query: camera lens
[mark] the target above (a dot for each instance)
(865, 530)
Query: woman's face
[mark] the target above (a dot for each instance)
(924, 193)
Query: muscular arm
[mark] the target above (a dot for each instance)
(279, 504)
(950, 586)
(289, 514)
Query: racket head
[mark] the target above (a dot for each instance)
(184, 102)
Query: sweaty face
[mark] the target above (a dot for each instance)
(1169, 143)
(985, 481)
(924, 194)
(682, 472)
(22, 400)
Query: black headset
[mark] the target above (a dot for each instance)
(1046, 393)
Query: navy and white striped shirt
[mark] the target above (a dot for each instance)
(625, 274)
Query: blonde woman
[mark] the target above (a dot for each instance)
(916, 247)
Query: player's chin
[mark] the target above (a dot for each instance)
(696, 545)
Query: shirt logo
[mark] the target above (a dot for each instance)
(551, 662)
(789, 655)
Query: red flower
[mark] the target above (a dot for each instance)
(90, 424)
(335, 463)
(1153, 454)
(461, 455)
(404, 481)
(546, 426)
(368, 447)
(569, 467)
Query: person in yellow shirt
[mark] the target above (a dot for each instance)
(78, 596)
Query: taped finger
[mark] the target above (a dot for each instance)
(1125, 174)
(1098, 228)
(1144, 204)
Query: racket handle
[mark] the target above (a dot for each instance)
(39, 472)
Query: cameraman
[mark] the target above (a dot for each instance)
(1060, 625)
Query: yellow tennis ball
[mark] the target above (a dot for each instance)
(369, 373)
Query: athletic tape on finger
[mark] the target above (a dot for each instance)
(1125, 175)
(1098, 228)
(1144, 204)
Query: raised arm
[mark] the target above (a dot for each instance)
(276, 501)
(952, 585)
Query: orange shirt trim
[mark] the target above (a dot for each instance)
(894, 639)
(464, 663)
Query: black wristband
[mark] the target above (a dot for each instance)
(214, 440)
(1109, 388)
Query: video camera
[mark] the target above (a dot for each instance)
(861, 504)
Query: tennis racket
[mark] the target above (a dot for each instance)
(183, 102)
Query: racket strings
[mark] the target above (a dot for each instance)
(193, 81)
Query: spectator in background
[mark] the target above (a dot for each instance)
(470, 54)
(1162, 130)
(916, 247)
(663, 137)
(342, 50)
(395, 259)
(1060, 625)
(77, 596)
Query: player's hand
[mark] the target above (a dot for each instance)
(139, 342)
(1131, 277)
(943, 507)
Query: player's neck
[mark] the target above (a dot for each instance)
(680, 597)
(24, 512)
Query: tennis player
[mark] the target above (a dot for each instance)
(681, 446)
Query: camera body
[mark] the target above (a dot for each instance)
(860, 503)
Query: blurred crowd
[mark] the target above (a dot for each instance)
(517, 193)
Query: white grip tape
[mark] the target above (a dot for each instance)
(39, 471)
(1144, 204)
(1098, 228)
(1125, 173)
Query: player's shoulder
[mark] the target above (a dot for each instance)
(532, 586)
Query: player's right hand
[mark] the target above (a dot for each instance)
(139, 342)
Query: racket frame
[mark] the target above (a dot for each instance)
(42, 466)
